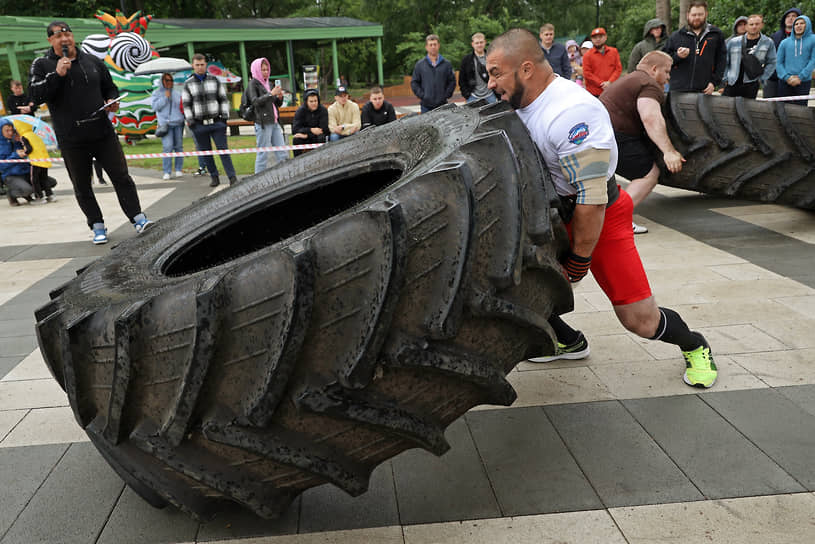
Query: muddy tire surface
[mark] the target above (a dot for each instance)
(743, 148)
(318, 318)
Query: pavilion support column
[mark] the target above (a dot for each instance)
(244, 70)
(12, 60)
(379, 62)
(335, 64)
(190, 50)
(290, 64)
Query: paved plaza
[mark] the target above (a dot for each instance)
(613, 448)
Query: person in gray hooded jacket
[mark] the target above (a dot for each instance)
(653, 37)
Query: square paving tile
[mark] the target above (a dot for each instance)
(31, 394)
(625, 466)
(802, 395)
(236, 522)
(780, 368)
(31, 368)
(780, 519)
(22, 471)
(46, 426)
(569, 528)
(781, 428)
(328, 508)
(717, 458)
(530, 469)
(452, 487)
(133, 521)
(73, 503)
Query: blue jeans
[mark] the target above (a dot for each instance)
(173, 141)
(216, 131)
(490, 98)
(266, 136)
(334, 137)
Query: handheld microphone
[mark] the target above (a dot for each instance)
(64, 50)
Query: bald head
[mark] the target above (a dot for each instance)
(517, 67)
(518, 45)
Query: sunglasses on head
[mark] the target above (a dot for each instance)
(59, 29)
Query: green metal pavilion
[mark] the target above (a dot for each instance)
(21, 37)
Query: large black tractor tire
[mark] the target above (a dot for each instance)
(743, 148)
(318, 318)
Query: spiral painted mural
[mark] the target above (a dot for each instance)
(123, 48)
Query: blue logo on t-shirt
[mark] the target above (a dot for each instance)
(579, 133)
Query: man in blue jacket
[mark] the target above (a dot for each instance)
(433, 78)
(796, 60)
(784, 30)
(555, 53)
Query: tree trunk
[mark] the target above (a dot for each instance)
(663, 12)
(683, 12)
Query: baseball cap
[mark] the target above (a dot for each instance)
(57, 26)
(341, 90)
(597, 31)
(587, 45)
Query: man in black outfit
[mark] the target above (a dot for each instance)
(310, 125)
(698, 51)
(377, 111)
(18, 102)
(79, 92)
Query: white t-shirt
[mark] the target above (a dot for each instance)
(563, 120)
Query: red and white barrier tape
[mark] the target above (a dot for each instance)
(192, 153)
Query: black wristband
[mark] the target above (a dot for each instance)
(576, 267)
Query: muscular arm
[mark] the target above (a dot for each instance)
(587, 222)
(654, 123)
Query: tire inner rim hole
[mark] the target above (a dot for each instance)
(282, 219)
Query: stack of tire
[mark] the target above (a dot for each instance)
(743, 148)
(318, 318)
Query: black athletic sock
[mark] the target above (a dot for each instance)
(673, 330)
(565, 334)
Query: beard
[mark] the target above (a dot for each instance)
(697, 26)
(516, 97)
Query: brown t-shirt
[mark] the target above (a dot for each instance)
(620, 99)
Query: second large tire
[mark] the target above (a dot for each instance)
(317, 318)
(743, 148)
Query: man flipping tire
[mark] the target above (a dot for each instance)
(573, 131)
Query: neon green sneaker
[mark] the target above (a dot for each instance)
(578, 350)
(700, 369)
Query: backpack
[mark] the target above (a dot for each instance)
(246, 110)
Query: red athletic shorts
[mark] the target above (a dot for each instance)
(615, 263)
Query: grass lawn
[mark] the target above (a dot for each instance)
(244, 162)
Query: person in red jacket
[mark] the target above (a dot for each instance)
(601, 65)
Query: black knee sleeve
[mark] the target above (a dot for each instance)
(673, 330)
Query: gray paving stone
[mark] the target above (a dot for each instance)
(73, 503)
(452, 487)
(8, 363)
(237, 522)
(18, 345)
(7, 253)
(625, 466)
(802, 395)
(134, 521)
(17, 327)
(64, 250)
(530, 469)
(781, 254)
(328, 508)
(22, 471)
(714, 455)
(777, 425)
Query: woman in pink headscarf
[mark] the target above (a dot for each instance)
(265, 101)
(575, 60)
